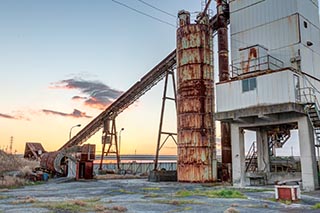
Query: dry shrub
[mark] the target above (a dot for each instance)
(119, 208)
(231, 210)
(9, 181)
(9, 162)
(26, 171)
(79, 203)
(23, 200)
(99, 208)
(18, 166)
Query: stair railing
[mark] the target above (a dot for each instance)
(252, 154)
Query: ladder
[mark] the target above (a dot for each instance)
(312, 108)
(251, 159)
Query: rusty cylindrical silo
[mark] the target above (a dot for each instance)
(195, 101)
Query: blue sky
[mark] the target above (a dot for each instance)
(51, 50)
(44, 43)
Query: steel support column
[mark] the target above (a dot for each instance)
(110, 139)
(223, 56)
(164, 99)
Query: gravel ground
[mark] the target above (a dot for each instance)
(139, 195)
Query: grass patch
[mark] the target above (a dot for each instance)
(151, 189)
(73, 206)
(176, 202)
(67, 206)
(287, 202)
(125, 191)
(24, 200)
(151, 195)
(257, 190)
(184, 193)
(316, 206)
(222, 193)
(2, 197)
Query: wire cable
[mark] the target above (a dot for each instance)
(143, 13)
(169, 14)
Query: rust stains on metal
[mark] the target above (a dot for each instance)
(252, 55)
(195, 106)
(33, 151)
(54, 162)
(223, 57)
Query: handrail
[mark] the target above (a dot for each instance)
(266, 62)
(251, 154)
(308, 93)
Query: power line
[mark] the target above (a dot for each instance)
(143, 13)
(169, 14)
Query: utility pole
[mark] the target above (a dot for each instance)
(11, 142)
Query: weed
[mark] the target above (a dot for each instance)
(92, 200)
(287, 202)
(176, 202)
(231, 210)
(223, 193)
(125, 191)
(316, 206)
(2, 197)
(152, 195)
(72, 206)
(24, 200)
(151, 189)
(257, 190)
(184, 193)
(187, 208)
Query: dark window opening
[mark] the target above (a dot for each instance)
(305, 24)
(249, 84)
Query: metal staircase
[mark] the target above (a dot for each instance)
(251, 158)
(310, 100)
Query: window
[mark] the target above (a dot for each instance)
(305, 24)
(249, 84)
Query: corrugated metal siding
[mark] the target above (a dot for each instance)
(309, 9)
(275, 88)
(280, 33)
(259, 14)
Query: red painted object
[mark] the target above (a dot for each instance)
(291, 193)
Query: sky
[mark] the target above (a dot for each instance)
(63, 62)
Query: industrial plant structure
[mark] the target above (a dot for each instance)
(274, 84)
(272, 87)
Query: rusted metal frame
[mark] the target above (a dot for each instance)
(223, 57)
(113, 141)
(164, 98)
(165, 140)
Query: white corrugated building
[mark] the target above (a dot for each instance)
(275, 81)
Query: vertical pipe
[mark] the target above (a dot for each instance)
(195, 105)
(223, 57)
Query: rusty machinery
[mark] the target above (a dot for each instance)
(106, 120)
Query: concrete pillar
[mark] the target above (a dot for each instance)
(238, 156)
(307, 155)
(263, 151)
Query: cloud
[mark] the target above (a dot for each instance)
(75, 114)
(97, 94)
(7, 116)
(17, 116)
